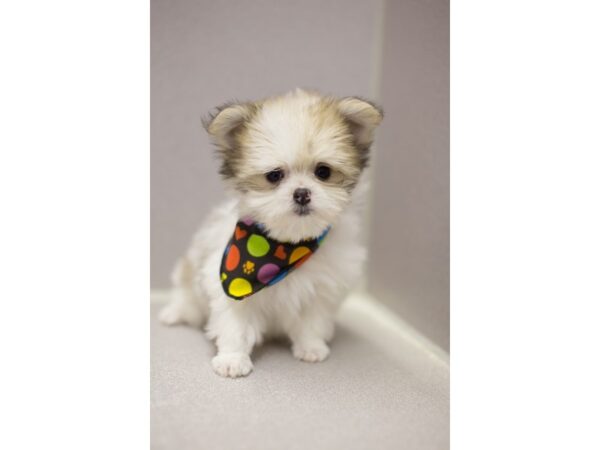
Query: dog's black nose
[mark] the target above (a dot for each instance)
(302, 196)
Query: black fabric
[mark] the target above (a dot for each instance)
(253, 261)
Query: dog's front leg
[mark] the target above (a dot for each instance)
(235, 340)
(309, 335)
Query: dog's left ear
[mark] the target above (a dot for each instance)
(363, 117)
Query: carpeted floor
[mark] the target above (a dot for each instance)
(381, 388)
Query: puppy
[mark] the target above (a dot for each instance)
(293, 166)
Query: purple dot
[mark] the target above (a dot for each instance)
(248, 221)
(267, 272)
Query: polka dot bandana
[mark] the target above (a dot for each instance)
(253, 261)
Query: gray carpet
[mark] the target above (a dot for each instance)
(379, 389)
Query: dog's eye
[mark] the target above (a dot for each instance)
(322, 172)
(274, 176)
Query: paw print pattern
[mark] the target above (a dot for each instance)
(248, 267)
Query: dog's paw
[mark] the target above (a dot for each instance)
(181, 312)
(171, 314)
(232, 365)
(314, 352)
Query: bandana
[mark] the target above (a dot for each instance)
(253, 261)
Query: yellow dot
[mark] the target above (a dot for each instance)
(223, 276)
(298, 253)
(240, 287)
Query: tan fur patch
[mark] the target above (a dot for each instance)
(294, 132)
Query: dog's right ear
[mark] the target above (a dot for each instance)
(228, 119)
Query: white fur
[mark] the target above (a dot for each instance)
(301, 306)
(294, 133)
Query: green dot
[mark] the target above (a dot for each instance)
(258, 246)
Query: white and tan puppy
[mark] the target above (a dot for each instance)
(270, 149)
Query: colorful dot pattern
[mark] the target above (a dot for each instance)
(253, 261)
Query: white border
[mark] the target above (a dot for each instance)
(525, 224)
(74, 187)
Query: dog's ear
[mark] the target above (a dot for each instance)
(362, 117)
(228, 119)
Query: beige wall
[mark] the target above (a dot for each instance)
(409, 231)
(206, 52)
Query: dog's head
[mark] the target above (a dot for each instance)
(294, 160)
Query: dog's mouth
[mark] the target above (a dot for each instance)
(302, 210)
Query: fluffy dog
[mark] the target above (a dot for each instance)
(293, 164)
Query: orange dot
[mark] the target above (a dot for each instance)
(301, 261)
(233, 258)
(299, 253)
